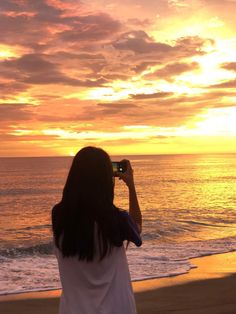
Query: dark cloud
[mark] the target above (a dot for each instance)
(92, 35)
(109, 110)
(91, 28)
(140, 67)
(34, 63)
(89, 65)
(160, 112)
(140, 42)
(25, 7)
(152, 96)
(24, 66)
(119, 106)
(173, 69)
(39, 25)
(160, 109)
(35, 69)
(15, 112)
(9, 5)
(45, 12)
(79, 56)
(231, 66)
(11, 88)
(45, 26)
(139, 52)
(55, 77)
(25, 31)
(228, 84)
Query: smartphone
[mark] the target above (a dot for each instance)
(119, 166)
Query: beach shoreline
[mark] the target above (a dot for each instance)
(214, 276)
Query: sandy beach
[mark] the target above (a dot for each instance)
(209, 288)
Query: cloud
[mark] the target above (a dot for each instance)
(139, 42)
(113, 109)
(56, 77)
(220, 3)
(15, 112)
(227, 84)
(12, 88)
(35, 69)
(142, 66)
(65, 47)
(55, 31)
(137, 22)
(173, 69)
(45, 25)
(106, 52)
(22, 31)
(119, 106)
(148, 111)
(91, 28)
(140, 52)
(32, 63)
(231, 66)
(26, 138)
(151, 96)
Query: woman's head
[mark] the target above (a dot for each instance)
(90, 179)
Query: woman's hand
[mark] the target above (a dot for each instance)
(134, 209)
(127, 176)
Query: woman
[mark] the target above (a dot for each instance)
(89, 231)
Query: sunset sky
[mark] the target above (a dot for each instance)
(131, 76)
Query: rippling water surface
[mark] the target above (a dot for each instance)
(188, 204)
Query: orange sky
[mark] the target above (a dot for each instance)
(133, 77)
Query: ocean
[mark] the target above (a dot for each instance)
(188, 204)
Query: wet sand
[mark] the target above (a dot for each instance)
(209, 288)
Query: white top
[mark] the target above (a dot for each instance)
(97, 287)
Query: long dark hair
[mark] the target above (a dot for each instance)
(87, 198)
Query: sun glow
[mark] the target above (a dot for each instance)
(218, 121)
(211, 71)
(10, 52)
(7, 52)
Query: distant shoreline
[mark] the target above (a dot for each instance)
(132, 155)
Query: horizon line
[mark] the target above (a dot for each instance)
(160, 154)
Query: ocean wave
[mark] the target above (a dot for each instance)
(194, 222)
(37, 227)
(39, 249)
(27, 191)
(36, 268)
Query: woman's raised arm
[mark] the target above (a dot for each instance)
(134, 209)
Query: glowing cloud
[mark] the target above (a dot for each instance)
(74, 74)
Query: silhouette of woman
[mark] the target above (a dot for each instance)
(89, 231)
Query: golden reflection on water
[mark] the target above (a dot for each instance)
(193, 196)
(181, 196)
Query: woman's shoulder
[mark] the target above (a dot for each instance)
(129, 227)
